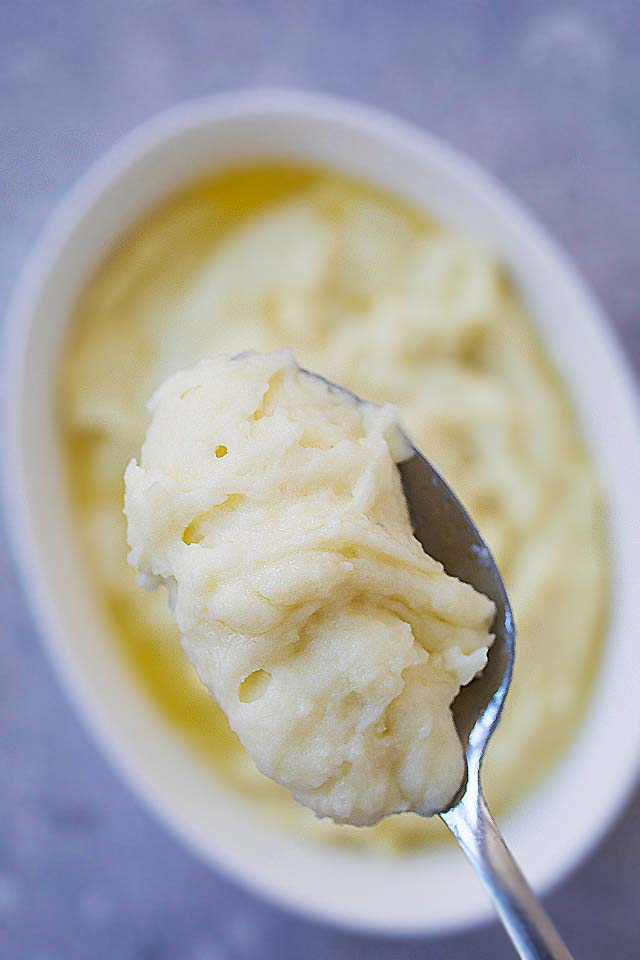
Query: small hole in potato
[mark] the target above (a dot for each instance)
(191, 534)
(350, 553)
(221, 451)
(254, 686)
(353, 702)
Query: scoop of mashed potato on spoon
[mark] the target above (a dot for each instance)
(270, 505)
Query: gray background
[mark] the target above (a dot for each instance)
(547, 95)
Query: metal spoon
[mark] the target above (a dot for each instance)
(448, 534)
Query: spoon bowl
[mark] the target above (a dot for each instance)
(447, 533)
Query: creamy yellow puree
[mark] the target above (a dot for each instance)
(375, 296)
(270, 506)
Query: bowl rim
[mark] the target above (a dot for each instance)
(41, 263)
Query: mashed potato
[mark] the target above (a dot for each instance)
(375, 297)
(271, 507)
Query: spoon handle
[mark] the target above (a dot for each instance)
(530, 928)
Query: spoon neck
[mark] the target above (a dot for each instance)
(523, 916)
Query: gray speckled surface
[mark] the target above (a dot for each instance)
(546, 96)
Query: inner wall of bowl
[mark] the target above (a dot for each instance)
(344, 886)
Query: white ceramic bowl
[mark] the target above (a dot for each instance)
(558, 825)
